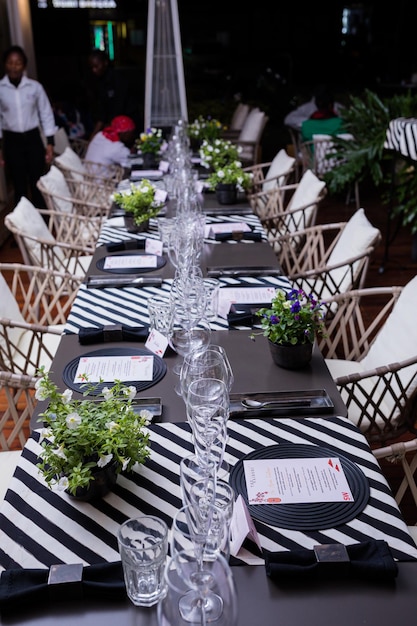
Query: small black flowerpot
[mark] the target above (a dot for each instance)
(132, 227)
(150, 162)
(291, 357)
(104, 479)
(226, 193)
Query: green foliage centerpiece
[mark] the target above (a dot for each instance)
(81, 437)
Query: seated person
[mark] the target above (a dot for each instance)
(113, 144)
(295, 118)
(324, 120)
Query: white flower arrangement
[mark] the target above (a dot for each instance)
(79, 436)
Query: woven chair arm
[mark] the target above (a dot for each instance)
(37, 328)
(17, 380)
(380, 372)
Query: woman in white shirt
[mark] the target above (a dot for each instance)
(25, 110)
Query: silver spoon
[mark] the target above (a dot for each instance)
(249, 403)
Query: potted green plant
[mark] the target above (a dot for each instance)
(149, 144)
(204, 128)
(218, 152)
(227, 180)
(140, 203)
(291, 325)
(87, 443)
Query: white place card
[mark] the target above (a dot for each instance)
(110, 368)
(289, 481)
(164, 166)
(131, 261)
(160, 195)
(241, 528)
(156, 342)
(154, 246)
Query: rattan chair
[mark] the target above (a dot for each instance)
(249, 139)
(84, 199)
(59, 245)
(81, 197)
(77, 169)
(18, 391)
(405, 453)
(329, 259)
(27, 339)
(373, 359)
(290, 208)
(271, 174)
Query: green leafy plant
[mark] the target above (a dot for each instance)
(139, 200)
(215, 154)
(367, 118)
(205, 128)
(150, 141)
(294, 318)
(230, 174)
(80, 436)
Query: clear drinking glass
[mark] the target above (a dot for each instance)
(143, 547)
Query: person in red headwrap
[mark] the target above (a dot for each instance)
(113, 144)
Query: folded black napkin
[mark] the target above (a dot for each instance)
(241, 319)
(129, 244)
(103, 581)
(238, 236)
(370, 559)
(115, 332)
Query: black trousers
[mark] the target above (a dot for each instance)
(24, 156)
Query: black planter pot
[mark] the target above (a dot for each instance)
(104, 479)
(226, 193)
(291, 357)
(150, 162)
(132, 227)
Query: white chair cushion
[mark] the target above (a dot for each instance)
(26, 218)
(252, 127)
(9, 309)
(72, 161)
(54, 182)
(306, 194)
(356, 237)
(239, 116)
(280, 165)
(8, 462)
(49, 340)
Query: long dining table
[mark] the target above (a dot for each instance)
(40, 527)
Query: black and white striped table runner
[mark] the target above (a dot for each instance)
(40, 527)
(402, 137)
(128, 306)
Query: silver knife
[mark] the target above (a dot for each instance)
(243, 271)
(124, 281)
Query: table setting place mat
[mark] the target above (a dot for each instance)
(102, 357)
(128, 306)
(40, 527)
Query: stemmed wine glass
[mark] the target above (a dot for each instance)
(220, 582)
(210, 363)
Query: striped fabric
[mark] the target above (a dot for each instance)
(127, 306)
(40, 527)
(402, 137)
(113, 230)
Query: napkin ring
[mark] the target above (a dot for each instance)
(112, 332)
(332, 556)
(65, 581)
